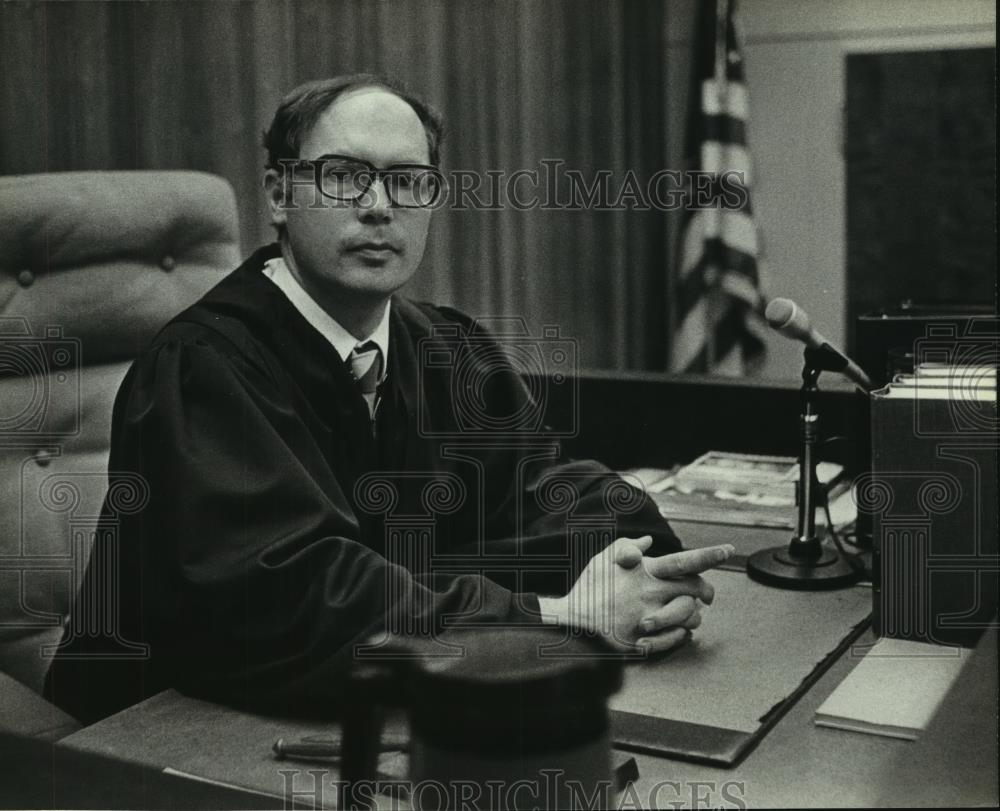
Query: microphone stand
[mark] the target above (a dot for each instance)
(805, 564)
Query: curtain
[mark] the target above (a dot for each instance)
(93, 85)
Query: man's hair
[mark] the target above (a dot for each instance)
(302, 107)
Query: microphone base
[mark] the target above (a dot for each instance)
(779, 568)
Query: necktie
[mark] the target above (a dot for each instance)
(366, 366)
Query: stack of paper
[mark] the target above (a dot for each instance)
(894, 690)
(936, 381)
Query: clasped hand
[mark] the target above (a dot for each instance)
(636, 601)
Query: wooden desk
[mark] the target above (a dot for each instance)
(796, 765)
(119, 762)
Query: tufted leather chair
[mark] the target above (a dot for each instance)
(92, 264)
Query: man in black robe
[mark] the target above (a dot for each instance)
(316, 462)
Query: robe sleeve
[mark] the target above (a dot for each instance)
(553, 512)
(253, 584)
(564, 511)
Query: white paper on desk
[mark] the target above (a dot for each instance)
(894, 690)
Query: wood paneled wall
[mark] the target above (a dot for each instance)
(123, 85)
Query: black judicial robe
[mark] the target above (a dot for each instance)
(257, 527)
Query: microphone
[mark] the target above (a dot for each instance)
(791, 321)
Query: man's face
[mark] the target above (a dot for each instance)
(370, 248)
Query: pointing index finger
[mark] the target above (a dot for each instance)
(690, 561)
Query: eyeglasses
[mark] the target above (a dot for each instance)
(347, 179)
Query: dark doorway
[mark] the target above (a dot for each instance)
(921, 162)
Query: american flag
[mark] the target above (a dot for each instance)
(719, 324)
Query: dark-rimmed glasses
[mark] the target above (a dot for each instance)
(347, 179)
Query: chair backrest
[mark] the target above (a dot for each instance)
(92, 264)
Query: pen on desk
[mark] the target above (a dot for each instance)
(306, 750)
(316, 747)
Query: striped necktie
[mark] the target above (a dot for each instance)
(366, 366)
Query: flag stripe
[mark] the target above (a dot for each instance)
(739, 265)
(733, 230)
(730, 331)
(687, 354)
(718, 156)
(725, 99)
(725, 128)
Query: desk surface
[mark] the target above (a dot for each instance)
(796, 765)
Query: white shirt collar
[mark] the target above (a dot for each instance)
(341, 340)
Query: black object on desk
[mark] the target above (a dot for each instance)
(495, 706)
(931, 494)
(885, 344)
